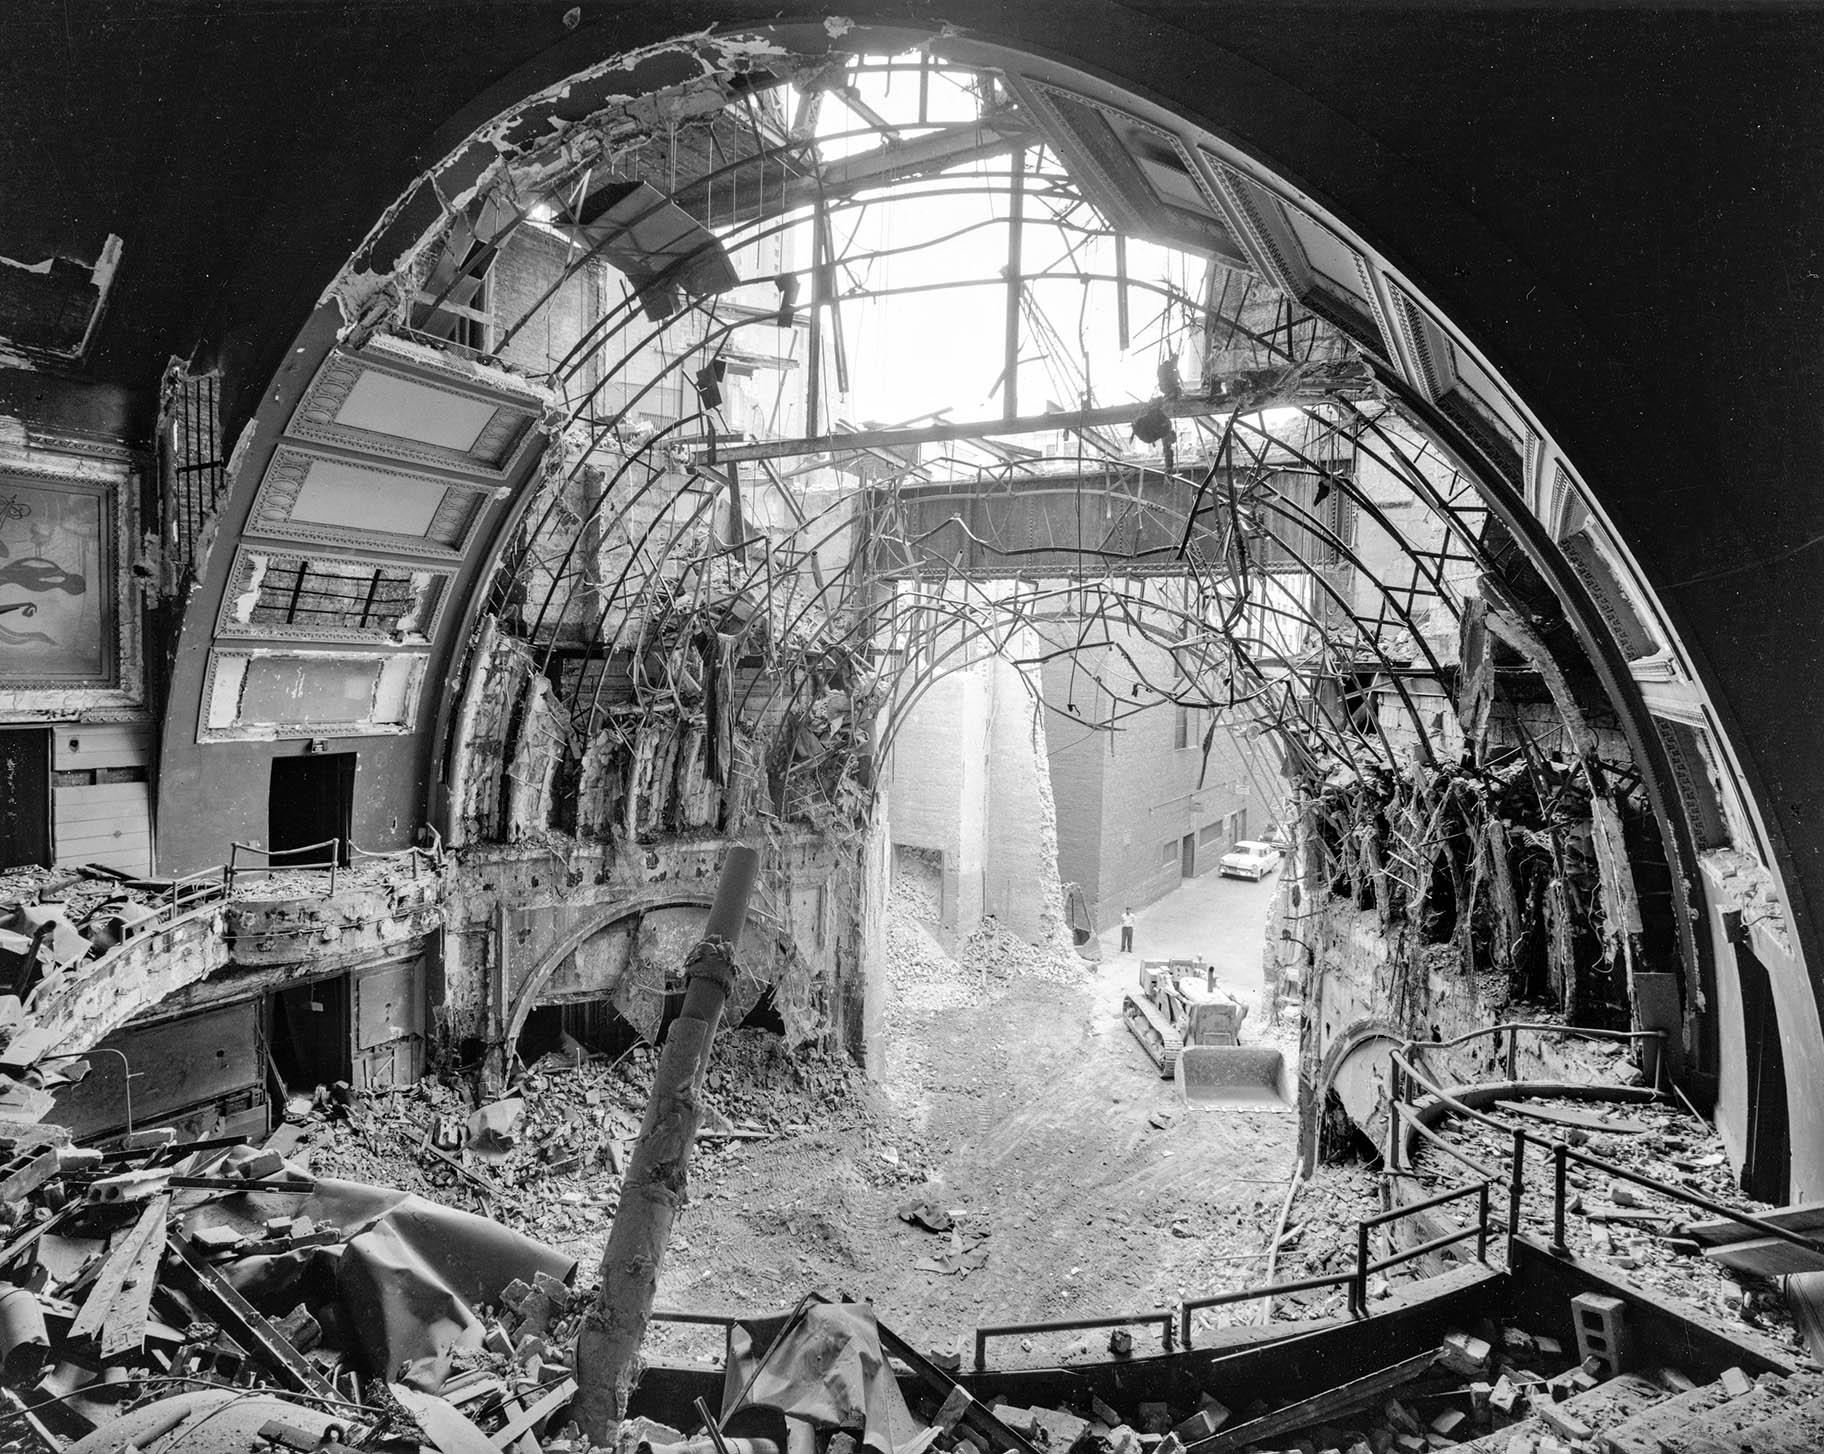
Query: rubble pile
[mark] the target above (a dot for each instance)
(1614, 1221)
(998, 954)
(547, 1157)
(1318, 1238)
(1475, 1385)
(186, 1277)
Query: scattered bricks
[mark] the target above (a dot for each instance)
(299, 1329)
(1548, 1347)
(1521, 1444)
(1563, 1421)
(1155, 1418)
(1674, 1380)
(1215, 1408)
(555, 1289)
(216, 1239)
(1601, 1330)
(1360, 1447)
(276, 1227)
(1059, 1429)
(1504, 1396)
(1735, 1383)
(1411, 1443)
(1465, 1353)
(1123, 1440)
(1397, 1415)
(1479, 1393)
(1571, 1383)
(1014, 1417)
(1121, 1343)
(1448, 1421)
(1104, 1414)
(262, 1164)
(947, 1359)
(1199, 1425)
(1624, 1195)
(1643, 1432)
(1518, 1342)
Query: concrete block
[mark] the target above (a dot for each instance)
(1601, 1324)
(1465, 1353)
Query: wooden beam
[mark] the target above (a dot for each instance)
(1330, 1404)
(1065, 420)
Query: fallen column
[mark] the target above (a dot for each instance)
(654, 1190)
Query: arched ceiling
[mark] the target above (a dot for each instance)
(1637, 274)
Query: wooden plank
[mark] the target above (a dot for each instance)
(1330, 1404)
(522, 1422)
(109, 795)
(104, 831)
(1804, 1218)
(109, 1316)
(1766, 1257)
(80, 745)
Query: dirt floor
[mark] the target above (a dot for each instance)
(1020, 1160)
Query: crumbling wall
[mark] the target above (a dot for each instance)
(1020, 839)
(1439, 901)
(532, 926)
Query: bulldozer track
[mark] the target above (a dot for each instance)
(1161, 1043)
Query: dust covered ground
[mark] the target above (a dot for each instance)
(1020, 1159)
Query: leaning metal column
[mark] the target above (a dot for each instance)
(654, 1189)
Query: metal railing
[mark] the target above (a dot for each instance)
(1512, 1028)
(231, 874)
(1356, 1277)
(1562, 1154)
(1165, 1318)
(420, 857)
(1405, 1075)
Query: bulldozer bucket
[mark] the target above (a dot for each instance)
(1234, 1075)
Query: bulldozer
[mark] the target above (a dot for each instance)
(1191, 1027)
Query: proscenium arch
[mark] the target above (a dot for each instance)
(1438, 250)
(526, 993)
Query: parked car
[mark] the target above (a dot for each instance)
(1248, 859)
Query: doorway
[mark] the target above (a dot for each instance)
(311, 800)
(309, 1035)
(1187, 856)
(25, 797)
(1767, 1164)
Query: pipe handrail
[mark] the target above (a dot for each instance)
(1562, 1152)
(1164, 1317)
(1252, 1294)
(1356, 1279)
(1512, 1028)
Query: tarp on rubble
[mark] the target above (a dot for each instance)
(827, 1368)
(406, 1280)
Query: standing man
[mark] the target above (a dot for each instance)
(1127, 930)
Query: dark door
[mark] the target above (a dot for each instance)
(1187, 852)
(25, 797)
(310, 1035)
(312, 799)
(1767, 1165)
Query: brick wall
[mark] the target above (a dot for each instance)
(1123, 795)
